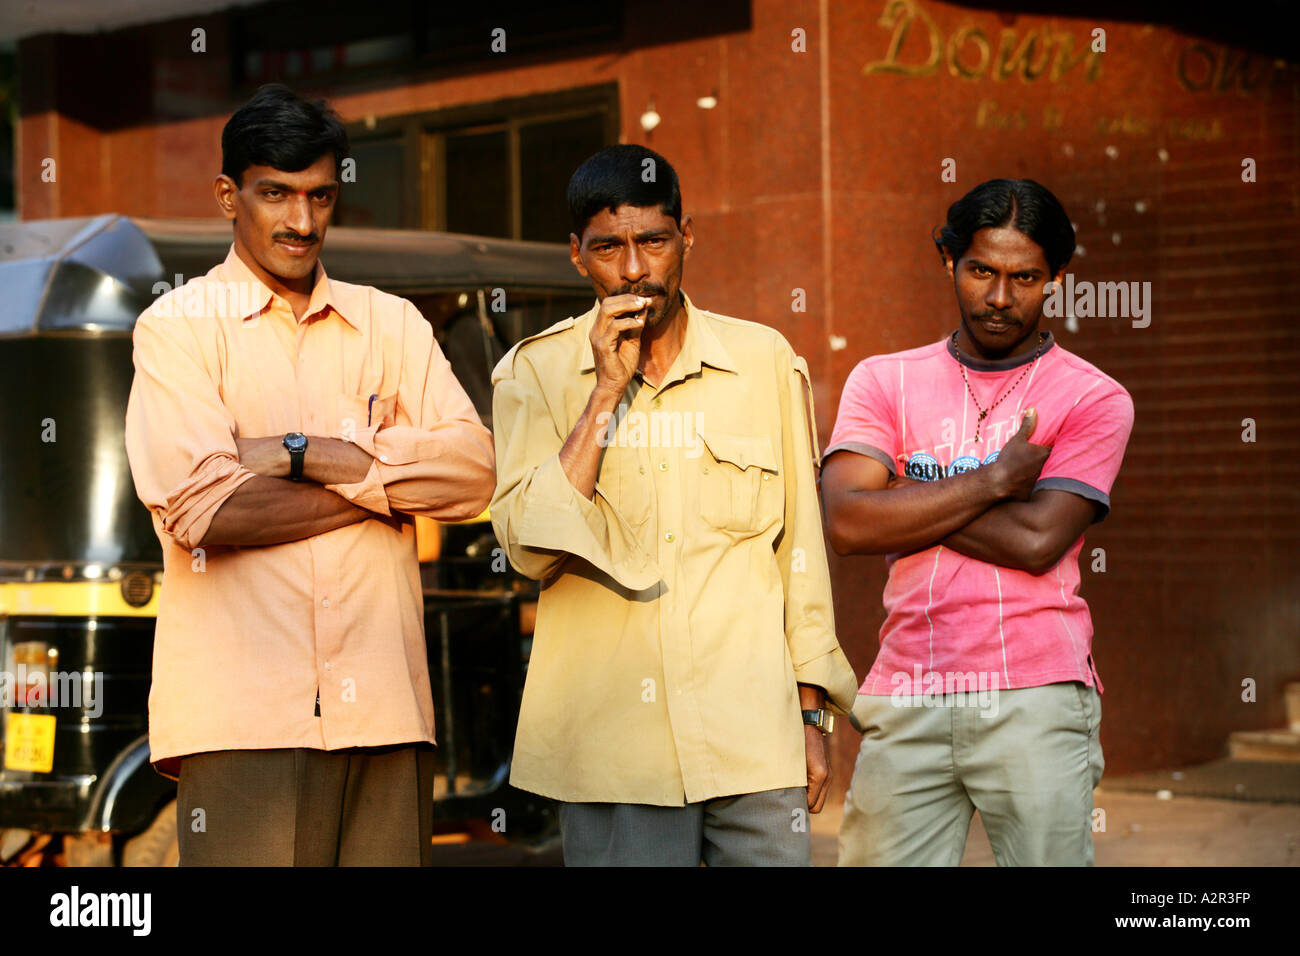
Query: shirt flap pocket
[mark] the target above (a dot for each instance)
(741, 450)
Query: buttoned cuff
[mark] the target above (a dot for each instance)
(557, 518)
(833, 673)
(364, 438)
(367, 493)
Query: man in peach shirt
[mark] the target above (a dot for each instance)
(283, 427)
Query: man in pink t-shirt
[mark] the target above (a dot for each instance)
(975, 464)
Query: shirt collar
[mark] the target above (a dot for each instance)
(998, 365)
(325, 293)
(700, 344)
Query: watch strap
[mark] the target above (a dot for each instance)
(822, 719)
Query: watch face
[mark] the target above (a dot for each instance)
(295, 441)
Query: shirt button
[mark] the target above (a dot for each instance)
(325, 603)
(663, 466)
(766, 476)
(670, 537)
(329, 666)
(658, 402)
(384, 459)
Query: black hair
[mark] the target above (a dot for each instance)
(279, 128)
(1021, 204)
(617, 176)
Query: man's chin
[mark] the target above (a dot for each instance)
(295, 267)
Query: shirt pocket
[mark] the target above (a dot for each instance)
(737, 487)
(625, 484)
(359, 413)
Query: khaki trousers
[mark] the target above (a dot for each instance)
(1027, 759)
(366, 806)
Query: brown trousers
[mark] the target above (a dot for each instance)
(367, 806)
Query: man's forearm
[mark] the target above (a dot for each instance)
(1029, 535)
(913, 516)
(811, 697)
(271, 511)
(327, 461)
(999, 536)
(580, 456)
(331, 461)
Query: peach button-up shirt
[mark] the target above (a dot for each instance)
(248, 636)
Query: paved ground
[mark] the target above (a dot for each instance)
(1143, 830)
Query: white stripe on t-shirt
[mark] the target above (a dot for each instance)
(1001, 637)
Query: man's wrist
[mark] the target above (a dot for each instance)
(811, 697)
(821, 720)
(604, 398)
(295, 446)
(995, 487)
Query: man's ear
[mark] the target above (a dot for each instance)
(575, 248)
(948, 263)
(224, 189)
(688, 235)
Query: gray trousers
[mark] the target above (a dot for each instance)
(366, 806)
(769, 828)
(1027, 759)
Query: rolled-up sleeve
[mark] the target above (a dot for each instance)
(539, 518)
(180, 438)
(436, 457)
(801, 549)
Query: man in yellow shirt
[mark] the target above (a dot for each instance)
(656, 471)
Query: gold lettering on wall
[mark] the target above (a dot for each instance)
(968, 53)
(898, 16)
(1202, 68)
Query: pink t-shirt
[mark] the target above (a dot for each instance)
(949, 616)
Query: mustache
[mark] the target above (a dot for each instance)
(1000, 316)
(291, 237)
(645, 289)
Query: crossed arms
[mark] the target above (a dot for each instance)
(991, 514)
(209, 487)
(267, 509)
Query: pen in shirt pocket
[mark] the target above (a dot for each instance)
(370, 407)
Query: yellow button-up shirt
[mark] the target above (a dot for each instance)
(684, 602)
(246, 636)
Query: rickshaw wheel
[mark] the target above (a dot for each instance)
(156, 846)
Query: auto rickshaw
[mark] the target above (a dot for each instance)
(80, 567)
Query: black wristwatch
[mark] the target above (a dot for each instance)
(822, 719)
(296, 442)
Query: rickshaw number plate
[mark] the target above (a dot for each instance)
(29, 742)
